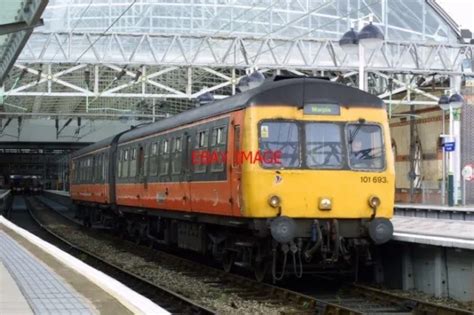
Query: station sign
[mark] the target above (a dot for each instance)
(449, 146)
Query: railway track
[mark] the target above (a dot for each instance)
(171, 301)
(220, 292)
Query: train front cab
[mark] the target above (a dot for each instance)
(336, 176)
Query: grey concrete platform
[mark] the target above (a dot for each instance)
(12, 300)
(438, 232)
(44, 291)
(38, 278)
(59, 192)
(53, 204)
(434, 207)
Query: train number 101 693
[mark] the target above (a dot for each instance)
(373, 179)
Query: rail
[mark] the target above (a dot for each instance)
(6, 200)
(370, 299)
(172, 301)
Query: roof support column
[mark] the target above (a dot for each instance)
(455, 131)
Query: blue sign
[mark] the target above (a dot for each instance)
(449, 146)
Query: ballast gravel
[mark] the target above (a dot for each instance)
(210, 295)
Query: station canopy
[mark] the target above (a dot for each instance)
(414, 20)
(17, 20)
(149, 58)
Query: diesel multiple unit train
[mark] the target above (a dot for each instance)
(293, 176)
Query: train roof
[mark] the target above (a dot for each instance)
(278, 91)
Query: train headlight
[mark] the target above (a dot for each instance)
(325, 203)
(274, 201)
(374, 202)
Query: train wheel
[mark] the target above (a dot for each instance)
(261, 269)
(137, 238)
(86, 221)
(228, 259)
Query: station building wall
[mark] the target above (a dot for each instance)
(428, 124)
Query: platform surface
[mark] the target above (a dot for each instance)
(42, 279)
(468, 208)
(59, 192)
(41, 287)
(53, 204)
(12, 301)
(439, 232)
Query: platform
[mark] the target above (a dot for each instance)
(465, 213)
(53, 204)
(432, 207)
(59, 192)
(38, 278)
(433, 231)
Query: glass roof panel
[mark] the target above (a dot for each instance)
(8, 14)
(15, 15)
(9, 11)
(270, 18)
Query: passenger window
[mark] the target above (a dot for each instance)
(282, 138)
(365, 146)
(96, 168)
(133, 162)
(176, 161)
(125, 164)
(218, 136)
(324, 145)
(141, 161)
(120, 163)
(154, 159)
(105, 166)
(218, 151)
(79, 171)
(89, 169)
(202, 139)
(164, 160)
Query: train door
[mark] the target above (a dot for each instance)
(141, 178)
(187, 170)
(210, 188)
(235, 168)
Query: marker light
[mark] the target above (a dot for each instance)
(274, 201)
(325, 204)
(374, 202)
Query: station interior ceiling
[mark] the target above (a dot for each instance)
(148, 60)
(71, 65)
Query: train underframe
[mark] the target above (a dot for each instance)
(275, 247)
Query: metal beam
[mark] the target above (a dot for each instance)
(182, 50)
(18, 26)
(31, 14)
